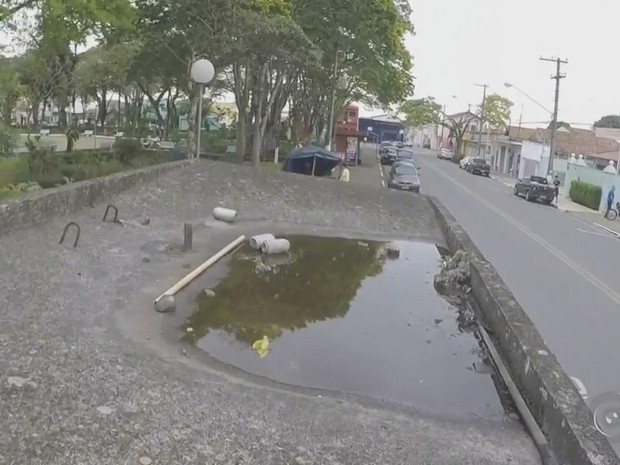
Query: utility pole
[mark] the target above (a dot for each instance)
(554, 122)
(484, 98)
(330, 127)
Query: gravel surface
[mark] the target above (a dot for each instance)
(87, 377)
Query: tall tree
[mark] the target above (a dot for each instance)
(420, 112)
(497, 112)
(366, 38)
(458, 125)
(10, 88)
(608, 121)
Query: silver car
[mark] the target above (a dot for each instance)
(404, 176)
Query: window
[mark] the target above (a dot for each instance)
(406, 169)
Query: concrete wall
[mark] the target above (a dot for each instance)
(43, 205)
(592, 176)
(550, 394)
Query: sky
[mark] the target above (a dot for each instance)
(461, 43)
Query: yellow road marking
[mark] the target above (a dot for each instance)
(601, 286)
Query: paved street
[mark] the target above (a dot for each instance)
(561, 269)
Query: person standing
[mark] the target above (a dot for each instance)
(610, 199)
(345, 176)
(556, 188)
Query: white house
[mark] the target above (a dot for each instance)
(534, 159)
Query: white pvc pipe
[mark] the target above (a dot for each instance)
(200, 269)
(224, 214)
(275, 246)
(256, 242)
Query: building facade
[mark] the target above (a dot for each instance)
(382, 128)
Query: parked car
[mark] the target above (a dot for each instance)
(404, 154)
(398, 163)
(445, 154)
(388, 156)
(404, 176)
(384, 146)
(463, 162)
(478, 166)
(535, 188)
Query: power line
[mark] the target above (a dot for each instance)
(554, 123)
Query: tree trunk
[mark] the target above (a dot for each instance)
(192, 120)
(43, 108)
(259, 98)
(34, 112)
(62, 117)
(241, 75)
(102, 114)
(127, 111)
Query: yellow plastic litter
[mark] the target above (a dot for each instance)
(261, 346)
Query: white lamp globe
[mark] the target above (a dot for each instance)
(202, 71)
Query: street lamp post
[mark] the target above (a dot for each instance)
(202, 72)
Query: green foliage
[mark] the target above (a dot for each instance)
(72, 19)
(14, 170)
(420, 112)
(586, 194)
(127, 149)
(8, 141)
(14, 190)
(10, 88)
(608, 121)
(497, 111)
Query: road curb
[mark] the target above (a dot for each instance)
(46, 204)
(550, 394)
(500, 181)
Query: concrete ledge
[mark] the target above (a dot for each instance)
(43, 205)
(552, 398)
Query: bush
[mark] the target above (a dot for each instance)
(586, 194)
(212, 142)
(13, 190)
(14, 171)
(126, 150)
(8, 141)
(48, 180)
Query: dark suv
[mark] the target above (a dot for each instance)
(478, 166)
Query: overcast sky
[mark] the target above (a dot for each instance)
(460, 43)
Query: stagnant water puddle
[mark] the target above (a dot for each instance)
(339, 314)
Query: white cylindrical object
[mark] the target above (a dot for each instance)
(256, 242)
(275, 246)
(198, 271)
(224, 214)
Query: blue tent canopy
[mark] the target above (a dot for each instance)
(303, 159)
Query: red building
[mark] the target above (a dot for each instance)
(347, 134)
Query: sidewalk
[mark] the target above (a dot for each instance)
(567, 205)
(504, 179)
